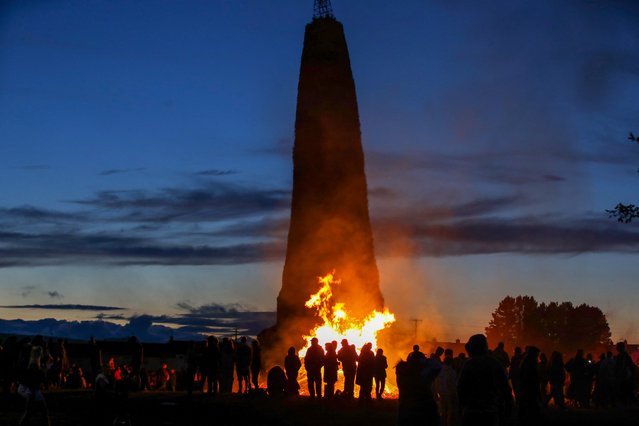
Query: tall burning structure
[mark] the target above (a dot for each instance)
(330, 226)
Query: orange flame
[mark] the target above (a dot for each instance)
(338, 324)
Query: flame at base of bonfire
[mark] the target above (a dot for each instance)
(337, 324)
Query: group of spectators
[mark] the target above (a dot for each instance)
(484, 388)
(361, 369)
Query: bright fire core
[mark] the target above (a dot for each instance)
(338, 324)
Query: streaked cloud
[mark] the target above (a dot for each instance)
(69, 307)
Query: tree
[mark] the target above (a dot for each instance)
(521, 321)
(625, 212)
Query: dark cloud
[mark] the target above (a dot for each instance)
(27, 290)
(69, 307)
(195, 324)
(510, 235)
(215, 172)
(110, 172)
(213, 201)
(48, 249)
(55, 294)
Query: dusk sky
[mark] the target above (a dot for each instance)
(145, 156)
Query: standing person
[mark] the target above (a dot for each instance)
(513, 373)
(417, 404)
(379, 374)
(292, 365)
(416, 354)
(502, 356)
(530, 392)
(192, 365)
(578, 390)
(331, 365)
(483, 390)
(557, 378)
(624, 373)
(313, 362)
(242, 365)
(212, 365)
(347, 355)
(31, 387)
(446, 389)
(95, 359)
(256, 364)
(365, 371)
(137, 358)
(227, 365)
(543, 376)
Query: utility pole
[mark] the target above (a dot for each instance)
(416, 321)
(323, 9)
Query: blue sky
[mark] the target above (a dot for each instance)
(145, 154)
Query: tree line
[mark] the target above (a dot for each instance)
(521, 321)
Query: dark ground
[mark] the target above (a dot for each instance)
(78, 408)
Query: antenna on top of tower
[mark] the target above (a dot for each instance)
(323, 9)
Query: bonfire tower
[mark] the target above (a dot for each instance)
(330, 225)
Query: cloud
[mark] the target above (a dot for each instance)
(510, 235)
(27, 290)
(212, 201)
(110, 172)
(195, 324)
(65, 307)
(215, 172)
(55, 294)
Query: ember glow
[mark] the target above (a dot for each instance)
(338, 324)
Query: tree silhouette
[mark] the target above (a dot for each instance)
(521, 321)
(625, 212)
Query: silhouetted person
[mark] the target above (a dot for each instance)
(446, 388)
(242, 365)
(605, 386)
(438, 354)
(95, 359)
(501, 355)
(192, 364)
(416, 400)
(416, 354)
(313, 362)
(276, 381)
(624, 371)
(292, 364)
(542, 368)
(579, 389)
(458, 362)
(137, 358)
(556, 378)
(76, 379)
(227, 365)
(31, 387)
(331, 365)
(365, 372)
(513, 373)
(347, 355)
(483, 390)
(530, 398)
(379, 374)
(256, 364)
(211, 365)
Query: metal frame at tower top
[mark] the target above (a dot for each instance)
(323, 9)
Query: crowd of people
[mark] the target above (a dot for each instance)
(441, 388)
(361, 369)
(484, 388)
